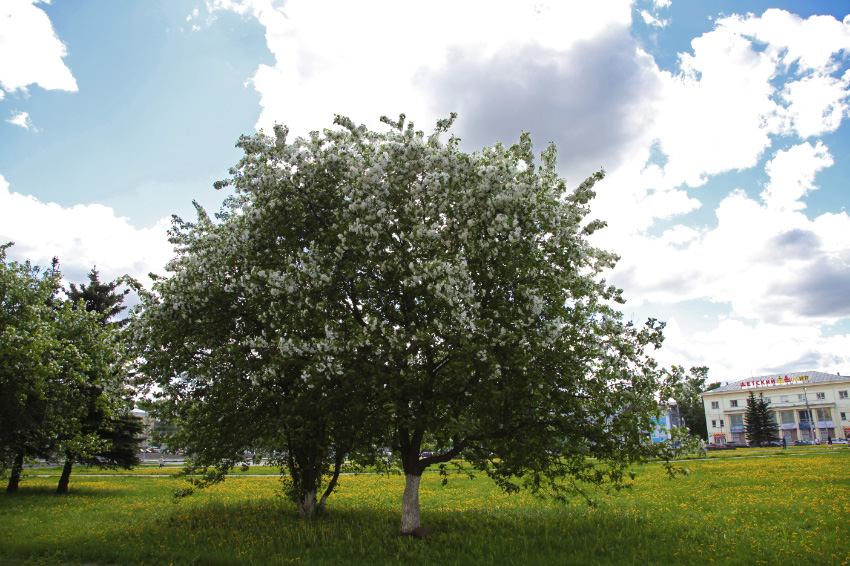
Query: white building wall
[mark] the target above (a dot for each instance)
(828, 399)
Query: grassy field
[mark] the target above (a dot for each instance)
(782, 508)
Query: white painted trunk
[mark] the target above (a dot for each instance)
(410, 504)
(307, 505)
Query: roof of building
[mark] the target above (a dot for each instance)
(781, 379)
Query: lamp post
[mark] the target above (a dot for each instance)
(809, 411)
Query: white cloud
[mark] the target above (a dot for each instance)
(370, 58)
(817, 103)
(812, 42)
(81, 236)
(31, 53)
(769, 263)
(792, 175)
(651, 20)
(734, 349)
(23, 120)
(717, 114)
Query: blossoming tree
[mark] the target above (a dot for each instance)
(393, 286)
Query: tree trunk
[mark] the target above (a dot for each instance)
(65, 479)
(15, 477)
(334, 479)
(307, 505)
(410, 504)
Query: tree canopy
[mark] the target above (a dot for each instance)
(687, 390)
(57, 370)
(365, 289)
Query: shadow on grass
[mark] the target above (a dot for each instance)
(47, 493)
(269, 531)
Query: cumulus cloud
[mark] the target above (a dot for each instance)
(771, 265)
(736, 349)
(560, 95)
(81, 237)
(382, 64)
(22, 119)
(817, 104)
(778, 275)
(812, 42)
(717, 114)
(31, 53)
(756, 77)
(792, 175)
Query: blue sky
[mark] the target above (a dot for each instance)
(722, 126)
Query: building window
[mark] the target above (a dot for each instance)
(767, 399)
(736, 420)
(783, 398)
(804, 417)
(721, 423)
(733, 403)
(821, 396)
(843, 416)
(787, 417)
(801, 397)
(824, 414)
(714, 423)
(842, 395)
(715, 404)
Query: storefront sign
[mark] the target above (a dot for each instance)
(738, 428)
(788, 426)
(774, 381)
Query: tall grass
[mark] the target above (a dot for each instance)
(780, 509)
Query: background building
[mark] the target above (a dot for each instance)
(807, 406)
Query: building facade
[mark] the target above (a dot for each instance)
(807, 406)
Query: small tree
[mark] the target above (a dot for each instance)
(46, 348)
(759, 420)
(391, 285)
(104, 397)
(209, 339)
(687, 390)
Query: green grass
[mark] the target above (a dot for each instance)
(786, 508)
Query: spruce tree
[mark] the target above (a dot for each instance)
(112, 436)
(100, 297)
(761, 425)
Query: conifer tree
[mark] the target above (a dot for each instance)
(107, 437)
(761, 425)
(100, 297)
